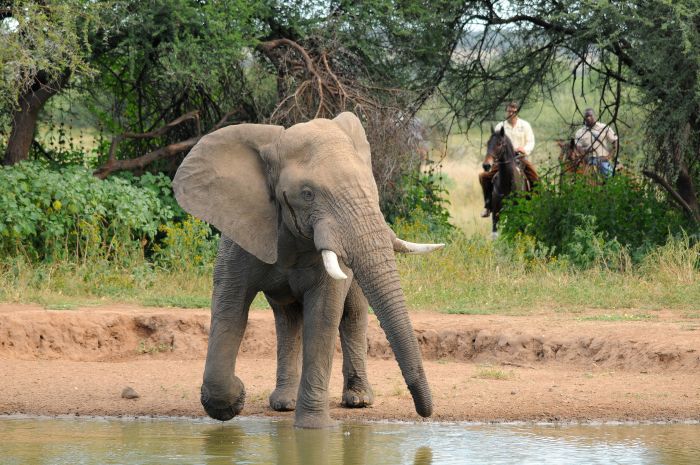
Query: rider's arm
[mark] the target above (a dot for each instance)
(529, 139)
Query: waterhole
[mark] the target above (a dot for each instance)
(56, 441)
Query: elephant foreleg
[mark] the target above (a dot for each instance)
(323, 308)
(288, 320)
(223, 393)
(357, 391)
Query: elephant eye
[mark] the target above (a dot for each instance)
(307, 194)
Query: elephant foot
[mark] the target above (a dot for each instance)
(357, 398)
(221, 405)
(283, 400)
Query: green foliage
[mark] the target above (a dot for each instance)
(159, 59)
(593, 223)
(421, 211)
(68, 213)
(187, 246)
(589, 246)
(43, 36)
(162, 188)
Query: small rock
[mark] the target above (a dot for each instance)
(512, 393)
(129, 393)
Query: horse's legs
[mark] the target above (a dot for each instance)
(495, 213)
(486, 181)
(486, 187)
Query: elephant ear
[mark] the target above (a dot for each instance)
(351, 125)
(223, 181)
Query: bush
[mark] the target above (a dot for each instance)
(50, 214)
(421, 211)
(186, 246)
(590, 223)
(161, 186)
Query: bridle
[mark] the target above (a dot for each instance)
(498, 155)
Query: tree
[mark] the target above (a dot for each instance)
(644, 53)
(314, 59)
(167, 61)
(163, 72)
(43, 44)
(381, 60)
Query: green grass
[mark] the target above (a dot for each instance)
(147, 348)
(488, 372)
(181, 301)
(472, 276)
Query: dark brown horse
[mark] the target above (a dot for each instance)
(510, 176)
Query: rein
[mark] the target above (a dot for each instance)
(515, 158)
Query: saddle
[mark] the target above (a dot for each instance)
(525, 182)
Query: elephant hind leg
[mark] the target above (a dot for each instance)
(357, 391)
(288, 323)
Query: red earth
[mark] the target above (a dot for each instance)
(543, 367)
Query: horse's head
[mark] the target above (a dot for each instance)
(570, 156)
(499, 146)
(568, 150)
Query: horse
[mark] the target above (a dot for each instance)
(574, 163)
(510, 176)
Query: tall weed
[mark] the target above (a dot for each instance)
(676, 261)
(186, 246)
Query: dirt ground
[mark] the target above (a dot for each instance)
(545, 367)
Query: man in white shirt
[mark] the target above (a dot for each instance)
(521, 136)
(596, 142)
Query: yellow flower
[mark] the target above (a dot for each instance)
(56, 205)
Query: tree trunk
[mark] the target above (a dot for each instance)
(24, 118)
(686, 189)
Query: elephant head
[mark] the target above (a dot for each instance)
(275, 191)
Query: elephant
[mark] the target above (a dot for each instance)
(298, 209)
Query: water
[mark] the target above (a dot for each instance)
(30, 441)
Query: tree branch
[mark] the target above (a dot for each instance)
(113, 164)
(674, 194)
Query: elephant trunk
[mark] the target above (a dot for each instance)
(375, 271)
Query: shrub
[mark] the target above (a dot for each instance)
(50, 214)
(161, 186)
(421, 212)
(589, 223)
(187, 245)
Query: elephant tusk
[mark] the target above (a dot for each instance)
(412, 248)
(330, 262)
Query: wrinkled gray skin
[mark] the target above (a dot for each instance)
(280, 197)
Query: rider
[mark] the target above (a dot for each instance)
(592, 141)
(521, 136)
